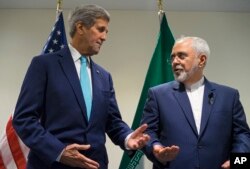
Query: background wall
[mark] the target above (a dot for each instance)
(127, 53)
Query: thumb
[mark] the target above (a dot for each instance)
(78, 147)
(83, 147)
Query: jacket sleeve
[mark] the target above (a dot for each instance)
(29, 108)
(241, 132)
(116, 128)
(151, 117)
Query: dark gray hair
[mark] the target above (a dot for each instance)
(198, 44)
(87, 14)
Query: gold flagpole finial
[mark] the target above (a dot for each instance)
(160, 12)
(59, 6)
(160, 6)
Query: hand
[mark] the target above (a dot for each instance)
(72, 157)
(138, 139)
(165, 154)
(226, 165)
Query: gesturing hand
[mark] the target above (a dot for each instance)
(138, 139)
(73, 158)
(226, 165)
(165, 154)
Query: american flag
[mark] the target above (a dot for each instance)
(13, 153)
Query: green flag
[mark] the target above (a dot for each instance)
(159, 72)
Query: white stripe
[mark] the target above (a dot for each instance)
(24, 148)
(6, 153)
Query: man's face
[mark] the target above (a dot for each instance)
(185, 62)
(94, 37)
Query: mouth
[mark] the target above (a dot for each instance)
(177, 69)
(99, 44)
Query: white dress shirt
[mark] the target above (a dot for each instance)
(76, 57)
(195, 94)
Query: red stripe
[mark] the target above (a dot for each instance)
(1, 163)
(15, 148)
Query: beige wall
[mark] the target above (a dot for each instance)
(127, 53)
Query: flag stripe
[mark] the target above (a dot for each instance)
(24, 148)
(2, 166)
(15, 148)
(6, 154)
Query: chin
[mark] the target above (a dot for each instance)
(95, 51)
(181, 77)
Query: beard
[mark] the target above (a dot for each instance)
(183, 75)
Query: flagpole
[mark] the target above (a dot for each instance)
(59, 6)
(160, 12)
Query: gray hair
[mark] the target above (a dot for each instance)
(87, 14)
(198, 44)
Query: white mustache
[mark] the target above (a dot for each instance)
(178, 67)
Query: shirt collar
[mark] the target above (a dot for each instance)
(76, 55)
(195, 85)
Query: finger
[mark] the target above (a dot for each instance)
(91, 165)
(83, 147)
(143, 139)
(169, 150)
(88, 162)
(139, 130)
(175, 149)
(77, 147)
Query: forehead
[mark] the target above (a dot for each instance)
(101, 22)
(184, 45)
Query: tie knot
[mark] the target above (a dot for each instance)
(83, 59)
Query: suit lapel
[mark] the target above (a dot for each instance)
(69, 69)
(95, 79)
(182, 98)
(208, 102)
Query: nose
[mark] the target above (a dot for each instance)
(104, 36)
(175, 60)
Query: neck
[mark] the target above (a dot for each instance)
(79, 47)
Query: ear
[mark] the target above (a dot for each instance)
(80, 29)
(203, 60)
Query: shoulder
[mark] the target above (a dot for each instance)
(164, 86)
(50, 57)
(222, 87)
(62, 52)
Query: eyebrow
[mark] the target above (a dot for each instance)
(178, 54)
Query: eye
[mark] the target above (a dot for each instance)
(102, 29)
(181, 55)
(172, 56)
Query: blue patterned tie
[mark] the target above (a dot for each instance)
(85, 84)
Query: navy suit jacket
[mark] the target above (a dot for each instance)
(223, 128)
(51, 113)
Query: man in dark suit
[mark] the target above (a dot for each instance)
(62, 128)
(193, 123)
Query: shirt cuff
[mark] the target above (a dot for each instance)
(59, 157)
(126, 141)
